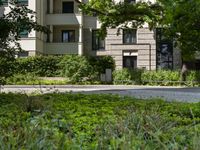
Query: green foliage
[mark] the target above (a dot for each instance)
(159, 77)
(122, 76)
(39, 65)
(18, 18)
(31, 79)
(77, 68)
(77, 121)
(126, 76)
(114, 14)
(81, 68)
(181, 21)
(101, 63)
(27, 79)
(7, 66)
(193, 78)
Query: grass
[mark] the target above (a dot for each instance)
(77, 121)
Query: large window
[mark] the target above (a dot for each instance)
(22, 2)
(23, 34)
(68, 7)
(164, 50)
(130, 1)
(98, 43)
(4, 2)
(68, 36)
(129, 36)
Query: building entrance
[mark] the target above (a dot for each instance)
(130, 62)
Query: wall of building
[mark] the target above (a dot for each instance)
(144, 49)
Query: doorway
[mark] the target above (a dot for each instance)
(130, 62)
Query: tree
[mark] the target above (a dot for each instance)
(182, 22)
(19, 18)
(113, 14)
(179, 18)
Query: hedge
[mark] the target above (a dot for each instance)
(76, 68)
(159, 77)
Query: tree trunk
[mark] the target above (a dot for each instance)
(184, 71)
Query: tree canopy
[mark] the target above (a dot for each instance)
(19, 18)
(122, 14)
(180, 19)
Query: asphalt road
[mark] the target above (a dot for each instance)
(183, 94)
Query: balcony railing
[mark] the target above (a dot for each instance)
(63, 19)
(62, 48)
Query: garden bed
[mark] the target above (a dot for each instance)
(76, 121)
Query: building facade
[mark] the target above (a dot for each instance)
(72, 32)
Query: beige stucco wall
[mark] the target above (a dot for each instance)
(144, 48)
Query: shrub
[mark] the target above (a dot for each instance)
(39, 65)
(136, 75)
(193, 78)
(77, 68)
(7, 65)
(101, 63)
(122, 76)
(28, 78)
(161, 77)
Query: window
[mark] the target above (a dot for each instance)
(68, 36)
(48, 6)
(129, 36)
(22, 2)
(23, 34)
(4, 2)
(23, 54)
(68, 7)
(130, 1)
(97, 42)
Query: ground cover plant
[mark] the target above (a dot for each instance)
(77, 121)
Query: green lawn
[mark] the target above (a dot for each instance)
(76, 121)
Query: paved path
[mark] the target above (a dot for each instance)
(144, 92)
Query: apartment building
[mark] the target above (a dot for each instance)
(72, 32)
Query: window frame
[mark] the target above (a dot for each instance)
(124, 34)
(70, 12)
(69, 38)
(22, 2)
(97, 46)
(24, 34)
(4, 2)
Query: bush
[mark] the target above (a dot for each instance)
(39, 65)
(77, 68)
(126, 76)
(122, 76)
(161, 77)
(193, 78)
(7, 65)
(101, 63)
(28, 78)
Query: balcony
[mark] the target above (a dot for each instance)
(62, 48)
(64, 19)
